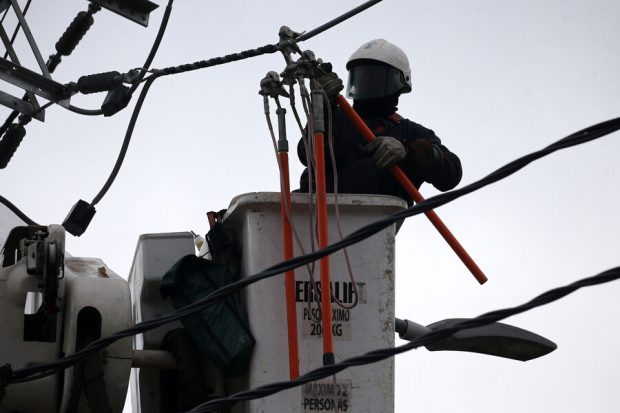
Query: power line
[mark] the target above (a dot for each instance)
(183, 68)
(261, 50)
(583, 136)
(16, 211)
(381, 354)
(138, 107)
(125, 145)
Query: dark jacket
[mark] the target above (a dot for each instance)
(358, 174)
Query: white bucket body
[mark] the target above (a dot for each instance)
(255, 221)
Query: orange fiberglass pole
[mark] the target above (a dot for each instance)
(287, 238)
(321, 207)
(289, 276)
(415, 195)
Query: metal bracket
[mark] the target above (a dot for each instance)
(44, 259)
(32, 82)
(271, 86)
(134, 10)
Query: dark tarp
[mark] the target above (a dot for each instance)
(220, 330)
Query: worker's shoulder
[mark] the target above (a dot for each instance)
(414, 130)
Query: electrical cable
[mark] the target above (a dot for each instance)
(16, 211)
(82, 111)
(136, 111)
(261, 50)
(144, 69)
(125, 145)
(337, 20)
(583, 136)
(187, 67)
(179, 69)
(438, 334)
(149, 59)
(580, 137)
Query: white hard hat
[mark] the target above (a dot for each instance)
(382, 51)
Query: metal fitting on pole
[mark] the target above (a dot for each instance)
(282, 141)
(318, 117)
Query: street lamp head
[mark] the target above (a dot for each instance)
(495, 339)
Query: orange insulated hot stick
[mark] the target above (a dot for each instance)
(415, 195)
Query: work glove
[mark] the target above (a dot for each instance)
(385, 151)
(329, 81)
(424, 158)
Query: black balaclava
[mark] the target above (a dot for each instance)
(377, 107)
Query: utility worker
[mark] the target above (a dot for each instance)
(378, 73)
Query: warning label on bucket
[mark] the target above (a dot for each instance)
(326, 396)
(345, 292)
(311, 326)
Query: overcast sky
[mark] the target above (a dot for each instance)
(495, 79)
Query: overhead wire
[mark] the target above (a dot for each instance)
(136, 111)
(157, 73)
(577, 138)
(143, 70)
(258, 51)
(16, 211)
(580, 137)
(337, 20)
(155, 47)
(374, 356)
(121, 156)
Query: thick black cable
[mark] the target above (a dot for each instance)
(154, 47)
(382, 354)
(582, 136)
(197, 65)
(266, 49)
(233, 57)
(126, 140)
(160, 34)
(337, 20)
(16, 211)
(137, 108)
(87, 112)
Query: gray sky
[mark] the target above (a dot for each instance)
(494, 79)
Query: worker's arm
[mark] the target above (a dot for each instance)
(430, 160)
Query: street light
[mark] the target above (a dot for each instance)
(495, 339)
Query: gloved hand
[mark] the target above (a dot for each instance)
(329, 81)
(386, 151)
(425, 159)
